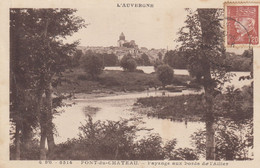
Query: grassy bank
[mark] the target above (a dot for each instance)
(235, 104)
(78, 81)
(182, 107)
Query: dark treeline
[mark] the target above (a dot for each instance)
(105, 58)
(234, 62)
(111, 59)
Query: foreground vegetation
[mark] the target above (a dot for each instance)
(118, 140)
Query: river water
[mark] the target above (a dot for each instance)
(117, 106)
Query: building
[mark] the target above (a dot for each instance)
(122, 42)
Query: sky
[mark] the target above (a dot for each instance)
(150, 27)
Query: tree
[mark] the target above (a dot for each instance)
(202, 43)
(75, 59)
(38, 57)
(146, 60)
(233, 140)
(128, 63)
(165, 74)
(143, 60)
(157, 63)
(175, 59)
(160, 55)
(109, 59)
(93, 65)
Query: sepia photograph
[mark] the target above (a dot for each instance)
(132, 81)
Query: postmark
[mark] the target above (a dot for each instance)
(242, 24)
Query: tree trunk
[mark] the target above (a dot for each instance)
(17, 143)
(49, 126)
(42, 143)
(26, 136)
(42, 120)
(209, 117)
(206, 17)
(210, 138)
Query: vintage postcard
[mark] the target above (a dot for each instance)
(129, 84)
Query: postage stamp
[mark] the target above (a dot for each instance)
(242, 24)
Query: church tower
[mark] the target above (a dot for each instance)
(122, 36)
(121, 40)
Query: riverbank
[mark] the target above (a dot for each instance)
(178, 108)
(235, 105)
(110, 81)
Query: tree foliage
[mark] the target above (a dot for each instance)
(143, 60)
(234, 141)
(235, 62)
(38, 56)
(117, 140)
(157, 63)
(109, 59)
(203, 46)
(93, 64)
(175, 59)
(128, 63)
(165, 74)
(202, 42)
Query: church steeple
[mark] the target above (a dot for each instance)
(122, 36)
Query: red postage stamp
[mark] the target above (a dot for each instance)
(242, 25)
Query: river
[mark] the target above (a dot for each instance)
(114, 107)
(120, 105)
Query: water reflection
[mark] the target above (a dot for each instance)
(120, 106)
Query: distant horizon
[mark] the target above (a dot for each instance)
(118, 47)
(230, 50)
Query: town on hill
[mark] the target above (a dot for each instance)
(125, 47)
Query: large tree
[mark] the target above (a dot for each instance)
(38, 56)
(202, 43)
